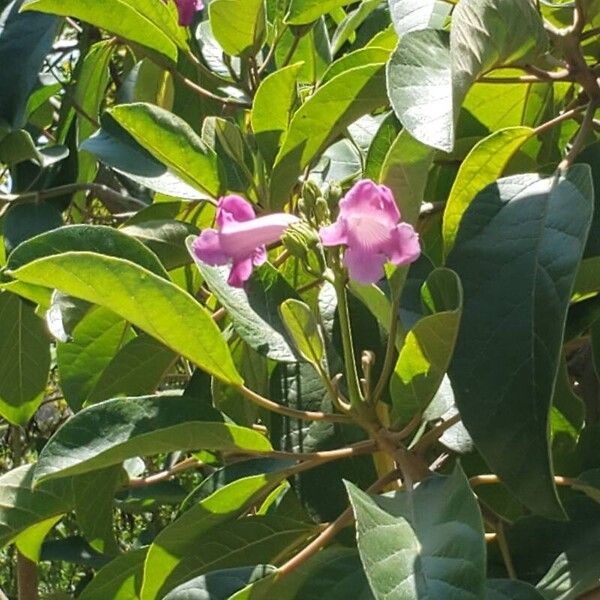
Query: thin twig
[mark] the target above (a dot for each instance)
(390, 352)
(293, 413)
(329, 533)
(505, 551)
(489, 479)
(580, 138)
(569, 114)
(97, 189)
(435, 434)
(184, 465)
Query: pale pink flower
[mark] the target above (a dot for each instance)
(368, 225)
(241, 238)
(187, 9)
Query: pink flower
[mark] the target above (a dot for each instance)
(368, 225)
(240, 239)
(187, 9)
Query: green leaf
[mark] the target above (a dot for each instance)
(430, 73)
(405, 171)
(419, 79)
(412, 15)
(510, 589)
(380, 144)
(25, 221)
(30, 542)
(255, 539)
(304, 330)
(108, 433)
(120, 579)
(135, 370)
(517, 252)
(483, 165)
(93, 495)
(358, 58)
(116, 148)
(220, 585)
(173, 142)
(174, 548)
(486, 34)
(166, 238)
(85, 238)
(25, 40)
(424, 543)
(24, 359)
(428, 347)
(147, 301)
(253, 310)
(81, 360)
(346, 30)
(150, 24)
(302, 12)
(22, 507)
(323, 117)
(238, 25)
(272, 109)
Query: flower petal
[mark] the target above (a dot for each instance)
(364, 267)
(260, 256)
(207, 247)
(240, 272)
(187, 9)
(234, 208)
(404, 245)
(334, 235)
(365, 197)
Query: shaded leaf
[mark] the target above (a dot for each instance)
(517, 252)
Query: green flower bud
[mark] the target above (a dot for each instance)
(299, 239)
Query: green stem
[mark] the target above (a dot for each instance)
(390, 352)
(352, 381)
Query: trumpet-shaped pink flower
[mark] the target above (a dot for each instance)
(368, 225)
(241, 238)
(187, 9)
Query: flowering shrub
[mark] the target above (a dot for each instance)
(299, 299)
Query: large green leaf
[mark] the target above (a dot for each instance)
(253, 310)
(302, 12)
(170, 552)
(517, 253)
(428, 347)
(220, 585)
(173, 142)
(483, 165)
(157, 306)
(151, 24)
(108, 433)
(323, 117)
(85, 238)
(25, 39)
(238, 25)
(405, 171)
(430, 72)
(93, 495)
(272, 109)
(120, 579)
(419, 79)
(136, 369)
(255, 540)
(22, 507)
(487, 34)
(304, 330)
(424, 543)
(119, 150)
(410, 15)
(24, 359)
(82, 359)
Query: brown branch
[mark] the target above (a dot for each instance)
(435, 434)
(184, 465)
(580, 138)
(330, 532)
(569, 114)
(489, 479)
(27, 577)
